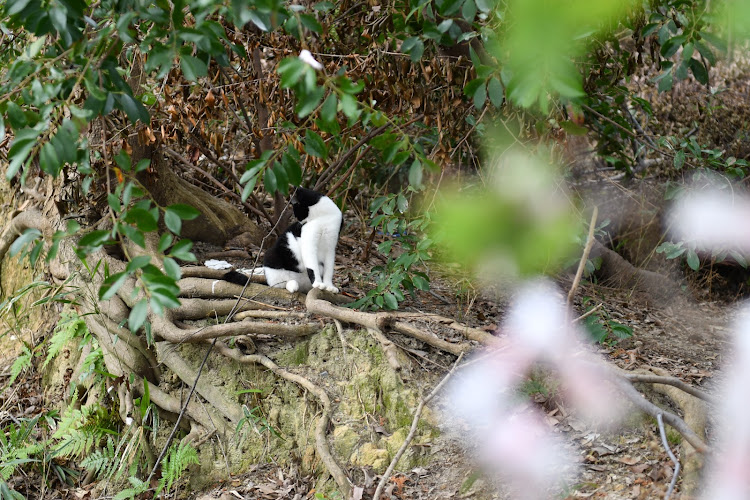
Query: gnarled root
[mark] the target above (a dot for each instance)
(321, 442)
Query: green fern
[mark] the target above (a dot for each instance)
(180, 455)
(69, 327)
(80, 431)
(130, 493)
(102, 461)
(22, 362)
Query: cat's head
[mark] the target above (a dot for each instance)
(302, 200)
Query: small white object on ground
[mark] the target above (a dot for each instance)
(308, 58)
(217, 264)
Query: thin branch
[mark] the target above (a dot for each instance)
(413, 429)
(585, 256)
(588, 313)
(671, 456)
(647, 406)
(673, 381)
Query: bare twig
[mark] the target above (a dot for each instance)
(413, 429)
(589, 312)
(584, 257)
(671, 456)
(673, 381)
(647, 406)
(389, 348)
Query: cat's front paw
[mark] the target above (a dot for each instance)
(319, 284)
(292, 286)
(331, 288)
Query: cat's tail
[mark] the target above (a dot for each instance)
(240, 278)
(236, 278)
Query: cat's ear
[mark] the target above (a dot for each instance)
(294, 200)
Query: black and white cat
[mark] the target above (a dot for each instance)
(303, 256)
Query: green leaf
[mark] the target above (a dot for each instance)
(415, 54)
(349, 106)
(671, 46)
(94, 239)
(308, 104)
(282, 183)
(269, 181)
(573, 128)
(49, 162)
(469, 11)
(111, 285)
(699, 71)
(138, 315)
(471, 88)
(390, 301)
(249, 186)
(692, 259)
(706, 52)
(138, 262)
(181, 251)
(172, 269)
(164, 242)
(291, 70)
(132, 107)
(480, 96)
(311, 23)
(292, 168)
(315, 145)
(142, 218)
(415, 174)
(496, 92)
(26, 237)
(192, 67)
(679, 159)
(665, 83)
(328, 109)
(19, 151)
(184, 212)
(173, 221)
(420, 282)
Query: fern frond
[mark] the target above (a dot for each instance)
(70, 326)
(102, 461)
(179, 457)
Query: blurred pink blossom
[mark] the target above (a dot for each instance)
(514, 441)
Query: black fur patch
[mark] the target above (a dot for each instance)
(236, 278)
(295, 229)
(280, 256)
(311, 275)
(302, 201)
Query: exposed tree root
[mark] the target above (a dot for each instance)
(651, 409)
(696, 416)
(379, 321)
(204, 308)
(389, 348)
(270, 315)
(228, 408)
(622, 274)
(321, 442)
(30, 218)
(214, 274)
(648, 378)
(413, 429)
